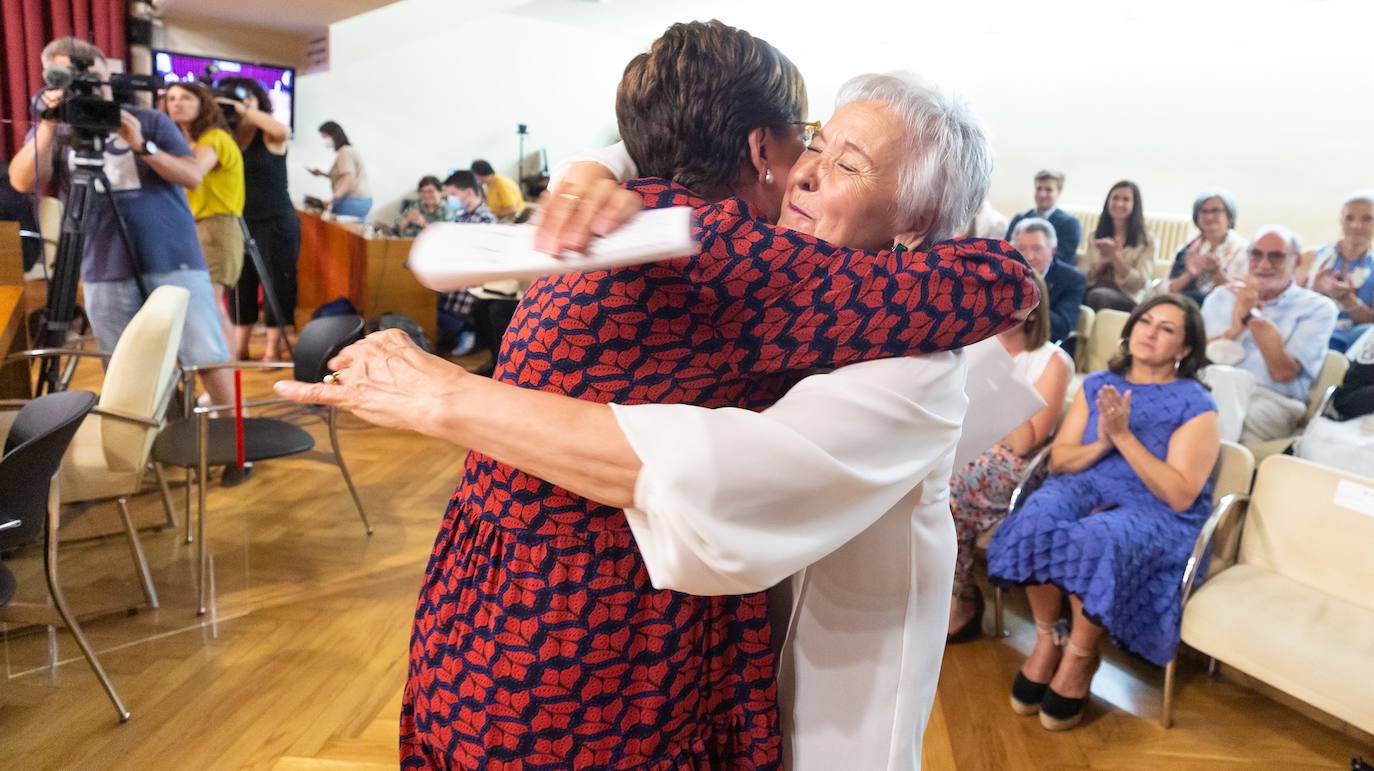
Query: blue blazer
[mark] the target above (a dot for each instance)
(1067, 229)
(1066, 286)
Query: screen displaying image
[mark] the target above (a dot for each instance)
(278, 82)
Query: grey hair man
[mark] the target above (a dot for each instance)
(1267, 337)
(1036, 240)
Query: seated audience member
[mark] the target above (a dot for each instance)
(1115, 522)
(1218, 254)
(1067, 229)
(987, 223)
(1341, 270)
(458, 310)
(416, 215)
(503, 195)
(1034, 238)
(980, 492)
(1267, 338)
(1343, 437)
(1120, 260)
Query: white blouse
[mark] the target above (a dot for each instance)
(838, 495)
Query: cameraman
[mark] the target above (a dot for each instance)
(148, 164)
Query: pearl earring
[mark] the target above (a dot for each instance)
(767, 176)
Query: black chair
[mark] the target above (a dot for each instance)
(33, 452)
(201, 441)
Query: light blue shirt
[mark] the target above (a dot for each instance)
(1304, 318)
(1358, 271)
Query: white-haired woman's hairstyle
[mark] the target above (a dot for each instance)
(1290, 239)
(72, 48)
(1037, 225)
(947, 166)
(1359, 196)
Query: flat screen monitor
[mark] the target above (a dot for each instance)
(278, 82)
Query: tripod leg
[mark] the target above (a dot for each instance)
(269, 290)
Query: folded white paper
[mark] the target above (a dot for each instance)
(449, 256)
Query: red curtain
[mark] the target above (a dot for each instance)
(28, 25)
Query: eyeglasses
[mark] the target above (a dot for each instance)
(1274, 258)
(1212, 210)
(809, 129)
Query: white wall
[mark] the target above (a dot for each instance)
(1269, 98)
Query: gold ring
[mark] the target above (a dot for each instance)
(332, 379)
(570, 196)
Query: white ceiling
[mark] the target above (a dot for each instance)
(307, 17)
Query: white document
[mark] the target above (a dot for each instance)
(449, 256)
(998, 400)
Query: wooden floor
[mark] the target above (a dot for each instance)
(300, 664)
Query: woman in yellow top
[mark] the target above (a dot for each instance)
(218, 203)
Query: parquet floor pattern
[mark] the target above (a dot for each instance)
(300, 664)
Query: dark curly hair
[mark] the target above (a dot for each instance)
(685, 108)
(1194, 336)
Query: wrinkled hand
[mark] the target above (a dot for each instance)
(130, 130)
(1247, 299)
(384, 379)
(1114, 413)
(1333, 284)
(587, 202)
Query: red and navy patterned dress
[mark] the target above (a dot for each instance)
(539, 642)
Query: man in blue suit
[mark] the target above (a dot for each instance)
(1067, 229)
(1035, 239)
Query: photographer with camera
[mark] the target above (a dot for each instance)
(267, 209)
(148, 165)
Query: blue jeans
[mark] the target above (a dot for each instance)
(352, 207)
(110, 305)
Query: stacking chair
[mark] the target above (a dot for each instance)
(109, 455)
(201, 441)
(29, 495)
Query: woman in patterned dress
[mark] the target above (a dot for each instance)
(1114, 524)
(980, 492)
(539, 640)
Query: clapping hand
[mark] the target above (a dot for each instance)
(1114, 413)
(1333, 284)
(1247, 299)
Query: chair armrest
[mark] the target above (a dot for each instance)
(1025, 483)
(240, 365)
(1325, 403)
(10, 524)
(11, 405)
(1234, 504)
(41, 353)
(199, 409)
(126, 417)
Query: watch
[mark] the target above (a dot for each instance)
(149, 148)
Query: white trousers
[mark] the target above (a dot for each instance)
(1247, 412)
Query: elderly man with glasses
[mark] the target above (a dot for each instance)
(1267, 338)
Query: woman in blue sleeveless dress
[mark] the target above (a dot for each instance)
(1114, 524)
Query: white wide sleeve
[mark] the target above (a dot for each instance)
(614, 157)
(731, 501)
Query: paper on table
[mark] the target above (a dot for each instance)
(449, 256)
(998, 400)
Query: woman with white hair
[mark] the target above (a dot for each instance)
(1342, 270)
(804, 484)
(1216, 255)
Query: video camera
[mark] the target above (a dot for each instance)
(234, 92)
(84, 108)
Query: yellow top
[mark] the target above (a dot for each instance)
(503, 193)
(221, 191)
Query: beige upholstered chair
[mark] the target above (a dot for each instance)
(108, 457)
(1330, 375)
(1295, 610)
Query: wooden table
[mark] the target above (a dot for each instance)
(14, 336)
(336, 260)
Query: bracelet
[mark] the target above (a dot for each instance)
(1245, 320)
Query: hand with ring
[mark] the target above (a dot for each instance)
(586, 202)
(384, 379)
(1114, 411)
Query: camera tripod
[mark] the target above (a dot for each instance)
(269, 292)
(88, 180)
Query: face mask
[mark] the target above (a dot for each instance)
(456, 203)
(329, 145)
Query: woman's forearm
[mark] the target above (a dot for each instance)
(1073, 458)
(1163, 480)
(574, 444)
